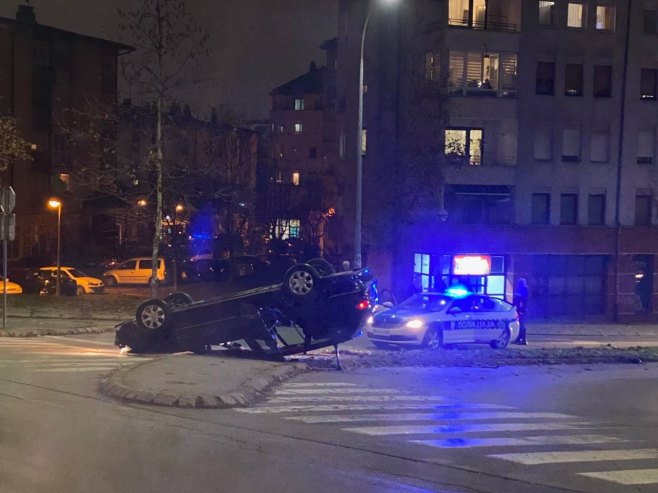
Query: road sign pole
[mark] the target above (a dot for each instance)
(4, 271)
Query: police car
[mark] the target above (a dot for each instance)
(435, 320)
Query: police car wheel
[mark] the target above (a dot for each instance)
(433, 339)
(503, 341)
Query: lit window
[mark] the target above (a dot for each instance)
(605, 18)
(364, 141)
(298, 128)
(575, 15)
(295, 178)
(279, 177)
(546, 13)
(299, 104)
(464, 146)
(648, 79)
(287, 228)
(483, 73)
(467, 13)
(65, 178)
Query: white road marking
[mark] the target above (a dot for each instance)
(561, 457)
(363, 398)
(363, 407)
(349, 390)
(626, 477)
(515, 442)
(458, 415)
(320, 384)
(463, 428)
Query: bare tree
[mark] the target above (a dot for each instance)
(12, 145)
(167, 41)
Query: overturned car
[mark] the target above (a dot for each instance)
(313, 307)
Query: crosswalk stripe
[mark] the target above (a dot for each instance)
(626, 477)
(514, 442)
(467, 428)
(320, 384)
(363, 407)
(560, 457)
(347, 418)
(349, 390)
(364, 398)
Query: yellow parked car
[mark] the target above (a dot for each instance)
(133, 271)
(12, 287)
(85, 283)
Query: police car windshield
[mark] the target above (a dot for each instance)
(426, 302)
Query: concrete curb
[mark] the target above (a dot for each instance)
(249, 392)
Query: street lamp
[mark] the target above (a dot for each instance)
(359, 146)
(174, 240)
(57, 204)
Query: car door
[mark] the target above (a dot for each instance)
(127, 272)
(487, 322)
(457, 326)
(143, 272)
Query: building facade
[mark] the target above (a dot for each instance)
(509, 139)
(44, 73)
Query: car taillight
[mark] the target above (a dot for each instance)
(363, 305)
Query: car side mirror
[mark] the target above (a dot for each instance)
(454, 310)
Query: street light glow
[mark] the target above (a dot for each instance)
(179, 208)
(54, 203)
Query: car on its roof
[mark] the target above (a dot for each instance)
(312, 307)
(434, 320)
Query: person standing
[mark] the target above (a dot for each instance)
(520, 301)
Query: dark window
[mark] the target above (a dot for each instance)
(568, 208)
(573, 79)
(643, 274)
(541, 208)
(545, 82)
(602, 81)
(643, 210)
(312, 152)
(648, 84)
(596, 210)
(479, 204)
(650, 19)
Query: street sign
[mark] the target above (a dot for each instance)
(8, 227)
(7, 200)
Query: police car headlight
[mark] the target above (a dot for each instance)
(414, 324)
(370, 320)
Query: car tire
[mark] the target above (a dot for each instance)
(110, 281)
(79, 291)
(503, 341)
(323, 267)
(433, 339)
(178, 300)
(300, 282)
(153, 314)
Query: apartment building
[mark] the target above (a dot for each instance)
(303, 157)
(508, 139)
(44, 73)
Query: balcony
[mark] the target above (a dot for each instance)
(485, 15)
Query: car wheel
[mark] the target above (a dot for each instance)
(300, 282)
(178, 300)
(503, 341)
(110, 281)
(323, 267)
(433, 339)
(79, 291)
(153, 314)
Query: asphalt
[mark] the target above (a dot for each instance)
(223, 381)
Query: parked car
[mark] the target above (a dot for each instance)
(437, 319)
(84, 283)
(12, 287)
(133, 271)
(313, 307)
(34, 281)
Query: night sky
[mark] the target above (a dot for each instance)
(256, 44)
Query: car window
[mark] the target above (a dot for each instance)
(503, 306)
(484, 304)
(129, 264)
(430, 303)
(463, 304)
(77, 273)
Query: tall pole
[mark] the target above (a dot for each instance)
(59, 248)
(359, 152)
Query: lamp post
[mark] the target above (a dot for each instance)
(359, 146)
(174, 241)
(57, 204)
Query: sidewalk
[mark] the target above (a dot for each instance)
(217, 381)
